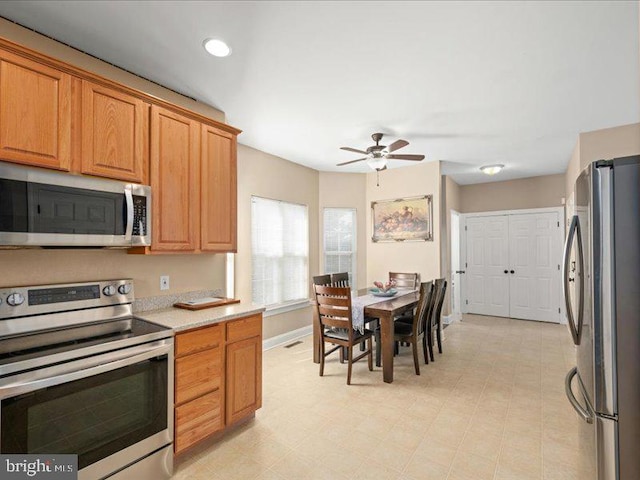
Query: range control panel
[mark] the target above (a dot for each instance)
(25, 301)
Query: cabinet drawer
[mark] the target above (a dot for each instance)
(244, 328)
(198, 374)
(197, 419)
(197, 340)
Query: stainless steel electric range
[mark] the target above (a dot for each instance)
(80, 374)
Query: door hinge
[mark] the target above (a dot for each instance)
(558, 224)
(466, 302)
(558, 309)
(558, 266)
(465, 228)
(466, 264)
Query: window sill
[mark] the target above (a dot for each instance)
(288, 307)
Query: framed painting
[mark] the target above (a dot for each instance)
(403, 219)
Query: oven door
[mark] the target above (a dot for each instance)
(111, 410)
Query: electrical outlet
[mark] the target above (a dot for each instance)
(164, 282)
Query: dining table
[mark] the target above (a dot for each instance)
(386, 310)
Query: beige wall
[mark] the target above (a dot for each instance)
(421, 257)
(268, 176)
(532, 192)
(29, 267)
(40, 43)
(346, 190)
(42, 266)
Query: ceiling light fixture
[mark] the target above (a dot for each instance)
(216, 47)
(377, 163)
(491, 169)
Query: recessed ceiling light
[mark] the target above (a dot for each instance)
(491, 169)
(216, 47)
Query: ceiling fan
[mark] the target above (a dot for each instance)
(377, 155)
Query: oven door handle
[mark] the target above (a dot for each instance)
(86, 368)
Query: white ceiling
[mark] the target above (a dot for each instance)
(468, 83)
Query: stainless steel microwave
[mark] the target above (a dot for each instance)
(45, 208)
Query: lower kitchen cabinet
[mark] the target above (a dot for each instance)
(218, 378)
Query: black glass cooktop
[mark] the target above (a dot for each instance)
(63, 344)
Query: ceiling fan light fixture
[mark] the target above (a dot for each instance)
(377, 163)
(491, 169)
(216, 47)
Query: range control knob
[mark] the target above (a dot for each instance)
(109, 290)
(125, 289)
(15, 299)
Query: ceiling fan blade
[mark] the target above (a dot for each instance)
(351, 161)
(397, 145)
(405, 157)
(349, 149)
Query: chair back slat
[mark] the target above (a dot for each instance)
(337, 301)
(420, 316)
(440, 288)
(405, 280)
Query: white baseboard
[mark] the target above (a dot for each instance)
(287, 337)
(449, 319)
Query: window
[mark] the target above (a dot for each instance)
(280, 252)
(340, 242)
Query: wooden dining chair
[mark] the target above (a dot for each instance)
(434, 322)
(405, 280)
(333, 305)
(340, 279)
(413, 332)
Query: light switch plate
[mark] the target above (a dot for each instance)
(164, 282)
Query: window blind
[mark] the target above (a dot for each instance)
(280, 251)
(340, 242)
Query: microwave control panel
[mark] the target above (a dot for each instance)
(139, 216)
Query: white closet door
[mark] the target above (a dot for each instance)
(534, 256)
(487, 259)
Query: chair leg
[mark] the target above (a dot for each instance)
(321, 357)
(341, 354)
(370, 357)
(378, 348)
(416, 362)
(430, 344)
(439, 338)
(396, 349)
(350, 360)
(362, 347)
(424, 349)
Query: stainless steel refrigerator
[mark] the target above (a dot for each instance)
(602, 295)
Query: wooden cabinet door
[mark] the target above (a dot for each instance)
(244, 378)
(114, 134)
(35, 113)
(219, 191)
(174, 168)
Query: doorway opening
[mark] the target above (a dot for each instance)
(456, 270)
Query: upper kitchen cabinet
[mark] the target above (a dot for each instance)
(175, 160)
(115, 134)
(218, 190)
(35, 113)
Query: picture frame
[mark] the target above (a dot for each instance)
(403, 219)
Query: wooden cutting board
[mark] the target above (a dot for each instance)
(208, 302)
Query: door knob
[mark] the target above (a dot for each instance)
(513, 271)
(506, 271)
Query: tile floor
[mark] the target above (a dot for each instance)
(491, 407)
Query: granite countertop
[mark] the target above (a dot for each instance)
(180, 319)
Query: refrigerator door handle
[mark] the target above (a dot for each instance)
(575, 327)
(572, 399)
